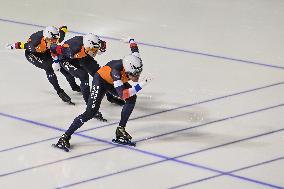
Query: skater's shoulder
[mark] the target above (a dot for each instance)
(37, 35)
(37, 42)
(74, 42)
(75, 46)
(78, 39)
(115, 65)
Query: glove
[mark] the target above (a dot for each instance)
(145, 81)
(102, 46)
(63, 28)
(10, 46)
(130, 40)
(127, 39)
(56, 67)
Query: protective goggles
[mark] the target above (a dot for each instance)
(95, 45)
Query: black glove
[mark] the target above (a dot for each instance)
(102, 46)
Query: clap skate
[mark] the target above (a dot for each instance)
(99, 116)
(122, 137)
(65, 98)
(63, 143)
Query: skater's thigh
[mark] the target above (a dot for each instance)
(40, 60)
(97, 94)
(90, 65)
(65, 73)
(76, 71)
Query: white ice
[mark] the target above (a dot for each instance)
(211, 118)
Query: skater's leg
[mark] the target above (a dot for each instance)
(127, 110)
(93, 105)
(79, 72)
(90, 65)
(44, 61)
(71, 80)
(97, 93)
(53, 80)
(122, 137)
(85, 88)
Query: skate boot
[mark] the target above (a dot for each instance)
(65, 98)
(63, 143)
(76, 88)
(99, 116)
(114, 99)
(122, 137)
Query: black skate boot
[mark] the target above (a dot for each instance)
(76, 88)
(122, 137)
(65, 98)
(114, 99)
(63, 143)
(99, 116)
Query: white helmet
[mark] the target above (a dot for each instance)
(132, 64)
(51, 32)
(91, 40)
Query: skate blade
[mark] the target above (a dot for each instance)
(101, 119)
(61, 148)
(71, 103)
(129, 143)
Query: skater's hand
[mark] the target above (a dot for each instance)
(10, 46)
(56, 67)
(127, 39)
(145, 81)
(63, 28)
(102, 46)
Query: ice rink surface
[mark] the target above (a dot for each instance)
(211, 118)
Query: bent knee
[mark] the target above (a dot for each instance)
(131, 100)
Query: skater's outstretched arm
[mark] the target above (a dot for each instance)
(16, 45)
(134, 47)
(36, 42)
